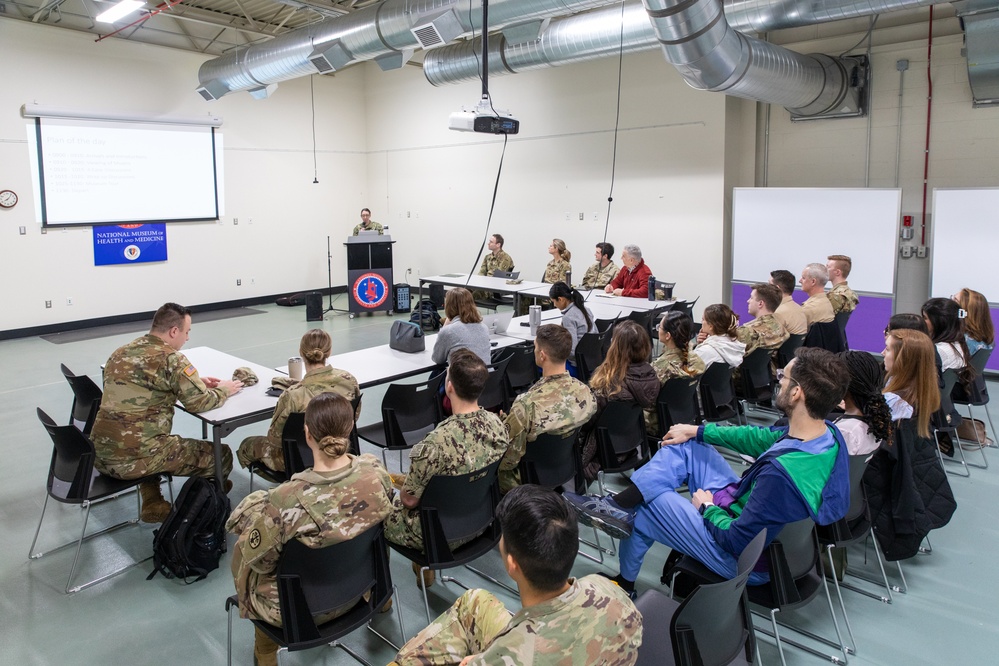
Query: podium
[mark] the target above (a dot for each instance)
(369, 273)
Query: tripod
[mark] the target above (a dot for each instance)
(329, 276)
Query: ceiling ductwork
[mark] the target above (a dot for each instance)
(981, 25)
(766, 15)
(382, 32)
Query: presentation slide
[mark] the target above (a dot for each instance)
(97, 172)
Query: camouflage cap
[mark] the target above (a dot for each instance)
(283, 382)
(245, 375)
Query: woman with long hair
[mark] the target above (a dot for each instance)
(462, 328)
(675, 329)
(340, 497)
(866, 422)
(314, 349)
(911, 389)
(625, 376)
(558, 269)
(942, 317)
(717, 342)
(979, 332)
(576, 317)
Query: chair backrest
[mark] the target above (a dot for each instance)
(825, 335)
(590, 353)
(620, 430)
(677, 403)
(314, 581)
(858, 498)
(841, 319)
(604, 324)
(355, 442)
(756, 376)
(786, 351)
(946, 404)
(551, 460)
(72, 468)
(800, 548)
(494, 394)
(86, 400)
(643, 318)
(297, 454)
(717, 394)
(508, 275)
(410, 411)
(521, 371)
(688, 307)
(458, 507)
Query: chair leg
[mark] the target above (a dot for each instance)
(79, 546)
(426, 600)
(928, 548)
(905, 586)
(991, 427)
(358, 658)
(282, 651)
(31, 551)
(839, 595)
(981, 444)
(483, 574)
(957, 447)
(228, 651)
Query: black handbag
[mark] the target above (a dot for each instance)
(406, 336)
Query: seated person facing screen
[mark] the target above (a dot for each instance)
(319, 378)
(633, 278)
(584, 621)
(468, 440)
(367, 224)
(817, 308)
(866, 422)
(764, 331)
(801, 471)
(911, 388)
(495, 260)
(676, 360)
(788, 312)
(600, 274)
(143, 381)
(979, 332)
(462, 328)
(340, 497)
(717, 341)
(841, 297)
(559, 268)
(556, 403)
(576, 317)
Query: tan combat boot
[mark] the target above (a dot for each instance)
(264, 649)
(428, 576)
(155, 509)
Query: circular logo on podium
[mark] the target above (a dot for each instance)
(371, 290)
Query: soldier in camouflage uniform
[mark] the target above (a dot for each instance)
(676, 360)
(558, 269)
(142, 382)
(340, 497)
(600, 274)
(314, 348)
(495, 260)
(557, 403)
(564, 621)
(765, 331)
(469, 440)
(841, 297)
(367, 224)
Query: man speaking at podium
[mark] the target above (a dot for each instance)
(367, 224)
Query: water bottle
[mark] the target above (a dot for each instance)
(534, 318)
(652, 287)
(296, 368)
(568, 278)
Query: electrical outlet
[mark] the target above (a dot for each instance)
(921, 251)
(22, 230)
(596, 216)
(235, 220)
(408, 214)
(581, 217)
(239, 282)
(568, 216)
(44, 230)
(48, 305)
(906, 251)
(253, 281)
(69, 300)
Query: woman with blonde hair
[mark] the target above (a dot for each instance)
(979, 332)
(462, 328)
(625, 376)
(910, 368)
(558, 269)
(717, 342)
(314, 349)
(340, 497)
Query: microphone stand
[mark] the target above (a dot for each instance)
(329, 276)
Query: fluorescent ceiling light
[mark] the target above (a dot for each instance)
(122, 9)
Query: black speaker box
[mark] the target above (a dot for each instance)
(314, 306)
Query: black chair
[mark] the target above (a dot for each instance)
(711, 627)
(453, 509)
(590, 353)
(685, 307)
(786, 351)
(495, 395)
(841, 319)
(86, 400)
(315, 581)
(553, 461)
(603, 325)
(945, 422)
(676, 403)
(756, 379)
(72, 479)
(622, 444)
(978, 395)
(718, 401)
(521, 371)
(825, 335)
(644, 318)
(409, 412)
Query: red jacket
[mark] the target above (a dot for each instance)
(634, 283)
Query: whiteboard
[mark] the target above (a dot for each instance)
(784, 227)
(965, 232)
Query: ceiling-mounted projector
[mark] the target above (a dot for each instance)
(484, 118)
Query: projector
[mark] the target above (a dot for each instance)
(483, 118)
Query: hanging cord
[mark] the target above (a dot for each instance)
(315, 166)
(617, 124)
(492, 207)
(867, 36)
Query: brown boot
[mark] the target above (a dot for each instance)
(264, 649)
(428, 576)
(155, 509)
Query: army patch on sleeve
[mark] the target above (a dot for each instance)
(190, 370)
(254, 539)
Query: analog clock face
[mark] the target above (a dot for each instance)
(8, 199)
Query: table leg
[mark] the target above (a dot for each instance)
(217, 444)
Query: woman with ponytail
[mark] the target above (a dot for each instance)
(676, 360)
(340, 497)
(867, 421)
(558, 268)
(314, 349)
(576, 318)
(718, 342)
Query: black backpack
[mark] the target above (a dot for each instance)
(425, 315)
(191, 540)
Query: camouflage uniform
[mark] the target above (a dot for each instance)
(598, 278)
(267, 449)
(842, 298)
(462, 443)
(501, 261)
(818, 309)
(763, 332)
(556, 270)
(142, 382)
(555, 404)
(372, 226)
(593, 622)
(668, 366)
(317, 508)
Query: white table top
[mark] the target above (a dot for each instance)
(251, 400)
(625, 302)
(485, 283)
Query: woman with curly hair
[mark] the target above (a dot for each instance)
(911, 389)
(867, 422)
(717, 341)
(979, 332)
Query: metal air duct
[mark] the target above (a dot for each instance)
(766, 15)
(981, 25)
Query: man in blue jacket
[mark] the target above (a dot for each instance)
(801, 471)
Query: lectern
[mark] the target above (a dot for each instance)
(369, 273)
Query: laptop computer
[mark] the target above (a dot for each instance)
(499, 322)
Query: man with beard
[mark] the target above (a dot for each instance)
(801, 471)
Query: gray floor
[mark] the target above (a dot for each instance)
(947, 616)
